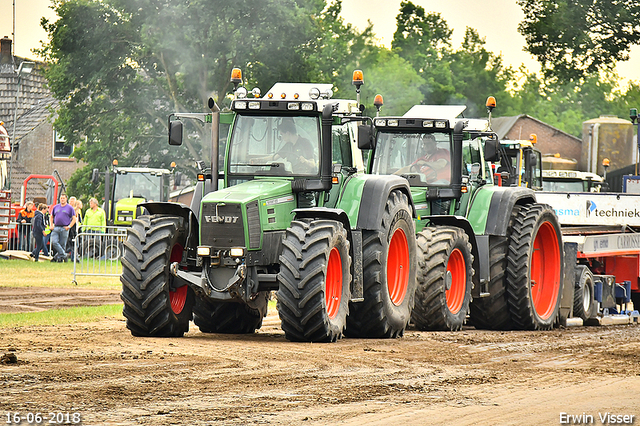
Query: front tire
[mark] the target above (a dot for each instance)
(444, 279)
(315, 275)
(534, 267)
(230, 317)
(151, 306)
(389, 270)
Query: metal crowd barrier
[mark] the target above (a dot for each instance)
(99, 253)
(20, 237)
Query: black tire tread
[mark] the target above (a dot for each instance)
(369, 318)
(434, 247)
(301, 297)
(521, 307)
(145, 285)
(230, 317)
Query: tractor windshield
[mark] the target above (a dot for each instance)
(426, 156)
(275, 146)
(138, 185)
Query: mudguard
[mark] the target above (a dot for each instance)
(374, 198)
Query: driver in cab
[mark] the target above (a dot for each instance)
(295, 149)
(434, 164)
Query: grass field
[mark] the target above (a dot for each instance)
(22, 273)
(61, 316)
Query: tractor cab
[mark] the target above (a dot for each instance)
(132, 186)
(520, 164)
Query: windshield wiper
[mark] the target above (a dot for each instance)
(256, 164)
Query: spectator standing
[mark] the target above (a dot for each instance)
(47, 232)
(63, 218)
(73, 231)
(24, 225)
(95, 219)
(39, 230)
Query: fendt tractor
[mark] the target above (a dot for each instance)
(481, 247)
(297, 214)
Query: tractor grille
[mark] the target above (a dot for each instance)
(223, 228)
(253, 222)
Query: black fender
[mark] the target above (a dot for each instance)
(179, 210)
(501, 206)
(374, 199)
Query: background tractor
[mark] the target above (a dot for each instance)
(336, 244)
(490, 250)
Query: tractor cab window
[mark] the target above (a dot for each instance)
(138, 185)
(341, 145)
(275, 146)
(426, 157)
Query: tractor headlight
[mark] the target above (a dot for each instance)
(204, 251)
(380, 122)
(237, 252)
(254, 105)
(393, 123)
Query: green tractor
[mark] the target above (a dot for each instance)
(296, 215)
(482, 248)
(127, 188)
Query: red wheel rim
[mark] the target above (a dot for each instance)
(545, 271)
(457, 273)
(333, 286)
(398, 267)
(177, 298)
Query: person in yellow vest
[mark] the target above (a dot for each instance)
(95, 219)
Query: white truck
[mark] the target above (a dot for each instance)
(601, 232)
(571, 181)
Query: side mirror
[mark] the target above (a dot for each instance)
(177, 178)
(95, 176)
(491, 149)
(175, 132)
(533, 160)
(365, 137)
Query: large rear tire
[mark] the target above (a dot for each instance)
(230, 317)
(534, 267)
(583, 302)
(151, 306)
(314, 278)
(492, 312)
(444, 279)
(389, 270)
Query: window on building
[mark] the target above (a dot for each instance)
(60, 149)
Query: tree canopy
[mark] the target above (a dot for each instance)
(574, 38)
(120, 67)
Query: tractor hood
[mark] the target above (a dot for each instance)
(254, 190)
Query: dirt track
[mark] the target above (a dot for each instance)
(467, 378)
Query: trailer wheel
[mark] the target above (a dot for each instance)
(583, 303)
(444, 279)
(635, 299)
(534, 267)
(151, 306)
(389, 267)
(315, 274)
(492, 312)
(230, 317)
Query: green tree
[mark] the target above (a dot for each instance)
(120, 67)
(423, 39)
(574, 38)
(477, 74)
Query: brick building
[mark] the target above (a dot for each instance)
(37, 147)
(550, 139)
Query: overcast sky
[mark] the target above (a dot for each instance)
(496, 21)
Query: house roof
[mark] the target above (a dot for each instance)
(502, 125)
(32, 118)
